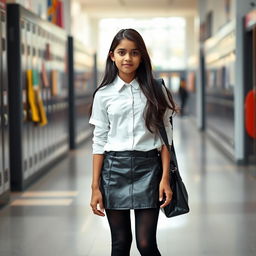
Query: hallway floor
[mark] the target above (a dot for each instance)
(53, 216)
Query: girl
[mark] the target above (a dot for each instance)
(130, 160)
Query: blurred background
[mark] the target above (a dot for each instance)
(52, 59)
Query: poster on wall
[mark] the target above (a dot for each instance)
(55, 12)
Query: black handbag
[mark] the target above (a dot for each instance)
(179, 203)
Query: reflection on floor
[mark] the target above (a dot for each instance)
(53, 216)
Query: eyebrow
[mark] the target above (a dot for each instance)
(136, 49)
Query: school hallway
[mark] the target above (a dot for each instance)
(53, 217)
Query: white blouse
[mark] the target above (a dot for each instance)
(117, 115)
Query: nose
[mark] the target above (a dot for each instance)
(127, 56)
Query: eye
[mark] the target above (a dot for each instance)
(135, 53)
(121, 52)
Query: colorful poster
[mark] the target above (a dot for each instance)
(55, 12)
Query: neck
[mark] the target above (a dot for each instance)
(127, 77)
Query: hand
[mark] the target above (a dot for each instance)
(165, 192)
(96, 200)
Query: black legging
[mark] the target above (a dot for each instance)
(145, 226)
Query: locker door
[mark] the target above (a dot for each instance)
(5, 105)
(25, 131)
(250, 94)
(52, 105)
(34, 126)
(1, 123)
(251, 104)
(253, 89)
(30, 124)
(44, 96)
(38, 67)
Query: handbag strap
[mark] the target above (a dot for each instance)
(162, 130)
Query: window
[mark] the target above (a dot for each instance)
(164, 38)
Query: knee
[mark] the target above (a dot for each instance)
(146, 248)
(121, 245)
(143, 247)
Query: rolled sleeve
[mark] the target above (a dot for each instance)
(99, 119)
(99, 140)
(99, 115)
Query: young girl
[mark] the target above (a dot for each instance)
(130, 160)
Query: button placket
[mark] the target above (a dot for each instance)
(132, 117)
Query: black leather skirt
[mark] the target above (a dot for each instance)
(130, 179)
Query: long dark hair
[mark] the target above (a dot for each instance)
(156, 101)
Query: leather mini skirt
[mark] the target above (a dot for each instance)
(130, 179)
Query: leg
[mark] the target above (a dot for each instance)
(121, 234)
(146, 225)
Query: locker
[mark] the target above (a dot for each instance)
(39, 67)
(5, 104)
(4, 116)
(34, 139)
(1, 124)
(34, 146)
(37, 128)
(25, 112)
(30, 131)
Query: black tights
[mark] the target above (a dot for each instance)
(145, 227)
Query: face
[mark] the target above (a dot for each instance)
(127, 59)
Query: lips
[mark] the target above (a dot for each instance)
(127, 65)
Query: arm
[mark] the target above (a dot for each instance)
(96, 197)
(165, 192)
(99, 119)
(99, 140)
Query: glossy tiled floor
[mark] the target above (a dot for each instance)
(53, 216)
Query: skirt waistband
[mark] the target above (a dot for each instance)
(128, 153)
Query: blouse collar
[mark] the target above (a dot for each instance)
(119, 84)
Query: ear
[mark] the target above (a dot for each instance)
(111, 54)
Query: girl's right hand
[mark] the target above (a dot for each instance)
(96, 200)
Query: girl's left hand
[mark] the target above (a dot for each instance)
(165, 192)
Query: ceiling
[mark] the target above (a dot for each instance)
(138, 8)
